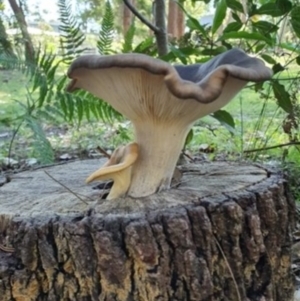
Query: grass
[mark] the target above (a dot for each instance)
(12, 89)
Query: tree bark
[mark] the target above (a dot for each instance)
(160, 22)
(224, 233)
(175, 20)
(4, 40)
(19, 14)
(127, 17)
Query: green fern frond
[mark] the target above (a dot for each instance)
(82, 104)
(43, 77)
(10, 62)
(71, 38)
(128, 39)
(41, 145)
(107, 31)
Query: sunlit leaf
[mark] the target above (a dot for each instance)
(189, 137)
(225, 119)
(265, 26)
(245, 35)
(269, 9)
(233, 26)
(235, 5)
(268, 59)
(219, 15)
(282, 96)
(296, 26)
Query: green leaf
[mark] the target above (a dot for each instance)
(80, 109)
(284, 5)
(265, 26)
(236, 17)
(235, 5)
(213, 51)
(219, 15)
(106, 34)
(144, 45)
(245, 35)
(189, 137)
(41, 145)
(191, 22)
(128, 39)
(295, 13)
(259, 47)
(282, 96)
(268, 59)
(296, 26)
(233, 26)
(298, 60)
(269, 9)
(178, 54)
(290, 47)
(71, 36)
(277, 68)
(225, 119)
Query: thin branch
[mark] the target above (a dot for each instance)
(103, 152)
(160, 22)
(142, 18)
(64, 186)
(15, 132)
(271, 147)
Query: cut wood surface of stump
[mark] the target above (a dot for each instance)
(223, 234)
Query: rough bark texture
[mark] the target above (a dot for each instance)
(160, 22)
(176, 22)
(223, 234)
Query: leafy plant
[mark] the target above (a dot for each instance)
(71, 37)
(107, 32)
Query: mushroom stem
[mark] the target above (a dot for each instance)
(160, 145)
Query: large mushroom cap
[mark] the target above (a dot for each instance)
(119, 79)
(163, 101)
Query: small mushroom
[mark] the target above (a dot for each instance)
(118, 169)
(163, 102)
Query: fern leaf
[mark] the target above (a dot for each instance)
(128, 39)
(107, 31)
(41, 145)
(71, 38)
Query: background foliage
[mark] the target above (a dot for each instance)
(261, 124)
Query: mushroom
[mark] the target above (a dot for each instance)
(163, 101)
(117, 168)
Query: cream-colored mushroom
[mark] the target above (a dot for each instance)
(117, 168)
(163, 102)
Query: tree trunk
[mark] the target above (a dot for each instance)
(4, 40)
(224, 233)
(175, 20)
(127, 17)
(160, 22)
(19, 14)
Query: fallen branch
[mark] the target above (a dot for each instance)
(103, 152)
(271, 147)
(67, 188)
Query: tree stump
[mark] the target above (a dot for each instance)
(223, 234)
